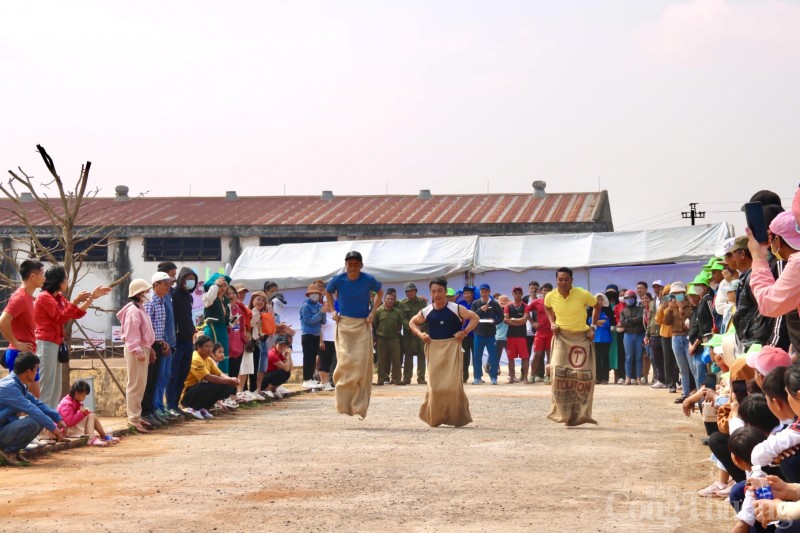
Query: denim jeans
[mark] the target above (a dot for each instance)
(180, 362)
(698, 368)
(164, 372)
(633, 353)
(490, 343)
(18, 434)
(680, 346)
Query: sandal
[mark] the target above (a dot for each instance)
(97, 441)
(140, 428)
(679, 400)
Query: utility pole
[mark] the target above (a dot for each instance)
(693, 213)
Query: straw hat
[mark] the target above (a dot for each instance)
(138, 286)
(313, 289)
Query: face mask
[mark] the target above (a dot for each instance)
(631, 301)
(700, 290)
(314, 297)
(539, 295)
(190, 283)
(715, 369)
(680, 297)
(775, 253)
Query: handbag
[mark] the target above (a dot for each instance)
(250, 346)
(63, 353)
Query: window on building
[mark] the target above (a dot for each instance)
(182, 249)
(96, 249)
(276, 241)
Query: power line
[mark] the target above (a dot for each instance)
(651, 217)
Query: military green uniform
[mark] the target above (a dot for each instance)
(388, 325)
(412, 345)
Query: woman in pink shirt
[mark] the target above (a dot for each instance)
(776, 297)
(138, 335)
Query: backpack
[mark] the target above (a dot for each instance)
(268, 324)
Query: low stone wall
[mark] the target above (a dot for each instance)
(108, 400)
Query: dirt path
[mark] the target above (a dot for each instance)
(299, 466)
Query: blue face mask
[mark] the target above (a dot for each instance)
(631, 301)
(680, 297)
(190, 283)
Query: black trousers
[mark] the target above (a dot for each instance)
(467, 345)
(330, 347)
(657, 358)
(252, 379)
(152, 377)
(234, 364)
(718, 444)
(276, 378)
(619, 372)
(326, 357)
(670, 364)
(204, 395)
(310, 345)
(601, 351)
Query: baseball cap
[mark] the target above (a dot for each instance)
(353, 255)
(657, 282)
(739, 243)
(160, 276)
(740, 370)
(451, 291)
(239, 287)
(485, 286)
(612, 287)
(410, 286)
(281, 339)
(469, 288)
(517, 288)
(785, 227)
(766, 359)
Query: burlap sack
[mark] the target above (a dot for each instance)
(572, 378)
(445, 400)
(353, 374)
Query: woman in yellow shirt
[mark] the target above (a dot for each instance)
(205, 384)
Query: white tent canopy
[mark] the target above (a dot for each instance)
(398, 260)
(586, 250)
(298, 265)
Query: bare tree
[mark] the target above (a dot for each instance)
(49, 214)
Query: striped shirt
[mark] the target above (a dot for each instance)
(155, 308)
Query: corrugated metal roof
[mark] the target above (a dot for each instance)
(341, 210)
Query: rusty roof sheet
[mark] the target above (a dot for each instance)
(558, 208)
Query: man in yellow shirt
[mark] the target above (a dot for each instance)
(206, 384)
(572, 361)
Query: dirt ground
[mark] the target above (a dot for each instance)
(299, 466)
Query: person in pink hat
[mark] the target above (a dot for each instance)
(766, 360)
(777, 297)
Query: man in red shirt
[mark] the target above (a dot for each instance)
(544, 335)
(279, 367)
(16, 322)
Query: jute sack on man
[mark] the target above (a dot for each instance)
(572, 378)
(445, 400)
(353, 374)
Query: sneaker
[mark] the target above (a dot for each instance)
(284, 390)
(9, 458)
(620, 381)
(326, 388)
(547, 380)
(538, 379)
(658, 385)
(476, 381)
(711, 490)
(230, 404)
(673, 390)
(153, 421)
(311, 384)
(724, 493)
(278, 395)
(205, 414)
(165, 414)
(494, 381)
(257, 397)
(194, 413)
(175, 414)
(644, 381)
(268, 394)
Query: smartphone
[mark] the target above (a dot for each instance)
(739, 389)
(711, 381)
(754, 213)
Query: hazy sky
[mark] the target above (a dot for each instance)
(660, 102)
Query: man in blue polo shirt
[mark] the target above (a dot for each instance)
(353, 375)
